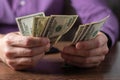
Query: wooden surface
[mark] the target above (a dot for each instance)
(52, 68)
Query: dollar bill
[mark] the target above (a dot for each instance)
(69, 26)
(55, 26)
(39, 24)
(83, 34)
(89, 30)
(60, 24)
(95, 28)
(25, 23)
(78, 33)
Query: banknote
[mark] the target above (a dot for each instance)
(60, 24)
(55, 26)
(89, 30)
(52, 27)
(69, 26)
(95, 28)
(25, 23)
(78, 33)
(39, 25)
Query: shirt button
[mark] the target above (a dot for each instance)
(22, 2)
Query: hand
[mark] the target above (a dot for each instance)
(21, 52)
(87, 53)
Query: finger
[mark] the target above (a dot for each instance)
(84, 65)
(103, 50)
(36, 59)
(17, 52)
(19, 61)
(100, 40)
(20, 67)
(23, 63)
(25, 41)
(83, 60)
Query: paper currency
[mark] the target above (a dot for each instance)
(78, 33)
(88, 31)
(25, 23)
(39, 25)
(60, 24)
(55, 26)
(95, 28)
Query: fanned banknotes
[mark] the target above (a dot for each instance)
(25, 23)
(55, 26)
(88, 31)
(39, 25)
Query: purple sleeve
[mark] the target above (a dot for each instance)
(94, 10)
(6, 14)
(1, 7)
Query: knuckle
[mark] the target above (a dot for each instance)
(64, 49)
(98, 43)
(64, 57)
(40, 39)
(8, 53)
(83, 45)
(27, 41)
(10, 62)
(9, 35)
(86, 61)
(102, 58)
(30, 52)
(87, 54)
(31, 61)
(106, 39)
(27, 52)
(106, 50)
(8, 38)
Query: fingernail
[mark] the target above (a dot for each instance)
(48, 46)
(46, 40)
(78, 46)
(65, 50)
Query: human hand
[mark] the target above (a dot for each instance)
(21, 52)
(87, 53)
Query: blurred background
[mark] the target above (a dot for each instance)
(115, 6)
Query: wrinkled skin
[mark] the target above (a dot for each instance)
(87, 53)
(21, 52)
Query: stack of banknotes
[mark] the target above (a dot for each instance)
(55, 26)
